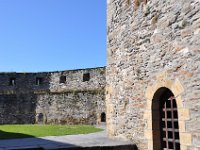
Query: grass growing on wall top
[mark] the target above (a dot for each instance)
(28, 131)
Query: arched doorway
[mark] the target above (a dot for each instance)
(165, 121)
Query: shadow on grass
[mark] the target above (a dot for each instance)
(19, 141)
(9, 135)
(27, 142)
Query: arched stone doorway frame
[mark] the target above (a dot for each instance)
(183, 113)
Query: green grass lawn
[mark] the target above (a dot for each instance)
(27, 131)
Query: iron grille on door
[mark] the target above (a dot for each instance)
(169, 124)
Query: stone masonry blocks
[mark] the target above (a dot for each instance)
(52, 100)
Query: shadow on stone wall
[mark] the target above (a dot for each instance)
(48, 108)
(17, 99)
(17, 108)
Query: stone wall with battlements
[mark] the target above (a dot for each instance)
(152, 44)
(62, 97)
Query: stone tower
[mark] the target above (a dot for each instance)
(153, 72)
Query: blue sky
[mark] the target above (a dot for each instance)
(50, 35)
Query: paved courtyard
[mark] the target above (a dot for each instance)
(59, 142)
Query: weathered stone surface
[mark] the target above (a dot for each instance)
(145, 40)
(71, 108)
(72, 101)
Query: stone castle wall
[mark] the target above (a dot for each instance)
(152, 44)
(45, 98)
(71, 108)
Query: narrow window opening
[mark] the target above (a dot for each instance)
(12, 81)
(63, 79)
(86, 77)
(39, 81)
(103, 117)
